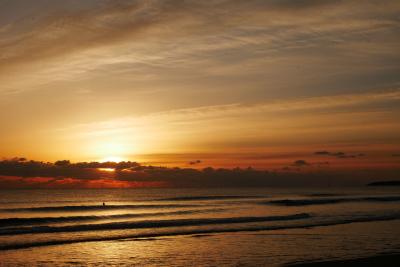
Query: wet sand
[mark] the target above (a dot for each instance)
(381, 260)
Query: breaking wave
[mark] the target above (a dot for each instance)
(147, 224)
(191, 198)
(97, 207)
(322, 201)
(70, 219)
(141, 236)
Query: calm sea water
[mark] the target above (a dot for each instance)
(198, 227)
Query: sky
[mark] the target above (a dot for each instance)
(220, 83)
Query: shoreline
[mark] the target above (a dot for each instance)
(389, 260)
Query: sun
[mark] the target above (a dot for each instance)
(112, 159)
(110, 151)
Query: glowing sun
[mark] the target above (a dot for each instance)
(112, 159)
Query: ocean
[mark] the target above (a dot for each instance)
(196, 227)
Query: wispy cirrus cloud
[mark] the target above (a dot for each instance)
(197, 75)
(249, 126)
(136, 36)
(311, 104)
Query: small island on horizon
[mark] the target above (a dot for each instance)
(385, 183)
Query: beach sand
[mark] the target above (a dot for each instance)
(381, 260)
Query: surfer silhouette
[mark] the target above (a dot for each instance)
(104, 204)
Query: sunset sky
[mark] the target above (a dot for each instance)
(202, 83)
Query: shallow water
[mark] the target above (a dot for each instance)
(202, 227)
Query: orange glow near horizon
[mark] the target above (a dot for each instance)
(73, 183)
(106, 169)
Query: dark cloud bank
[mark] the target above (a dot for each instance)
(340, 155)
(62, 172)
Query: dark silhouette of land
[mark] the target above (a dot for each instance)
(385, 183)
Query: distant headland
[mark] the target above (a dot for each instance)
(385, 183)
